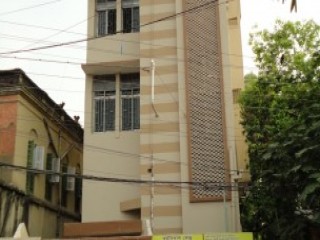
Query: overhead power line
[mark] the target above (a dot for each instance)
(41, 27)
(27, 8)
(93, 38)
(97, 49)
(206, 184)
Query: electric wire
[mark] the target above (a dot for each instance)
(28, 8)
(121, 31)
(115, 39)
(207, 185)
(132, 156)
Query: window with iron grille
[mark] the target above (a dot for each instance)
(104, 92)
(106, 17)
(130, 101)
(130, 16)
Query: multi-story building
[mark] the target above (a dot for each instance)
(37, 137)
(159, 114)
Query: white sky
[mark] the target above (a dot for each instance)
(263, 13)
(22, 27)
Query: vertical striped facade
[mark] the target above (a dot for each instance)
(160, 135)
(185, 130)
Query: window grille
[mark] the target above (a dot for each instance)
(130, 101)
(104, 88)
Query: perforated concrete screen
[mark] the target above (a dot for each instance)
(205, 101)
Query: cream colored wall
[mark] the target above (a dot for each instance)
(234, 49)
(163, 137)
(160, 126)
(227, 40)
(234, 53)
(109, 154)
(111, 48)
(110, 157)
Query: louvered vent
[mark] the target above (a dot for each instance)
(204, 77)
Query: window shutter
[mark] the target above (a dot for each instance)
(48, 187)
(55, 168)
(71, 180)
(38, 158)
(30, 175)
(31, 146)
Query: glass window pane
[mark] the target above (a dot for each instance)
(109, 112)
(130, 16)
(98, 116)
(135, 20)
(130, 81)
(126, 114)
(136, 113)
(130, 91)
(104, 91)
(106, 17)
(112, 21)
(104, 83)
(126, 20)
(101, 23)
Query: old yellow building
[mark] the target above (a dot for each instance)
(36, 137)
(160, 112)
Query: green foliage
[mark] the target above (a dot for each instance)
(281, 120)
(250, 79)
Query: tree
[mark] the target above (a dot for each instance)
(250, 78)
(281, 120)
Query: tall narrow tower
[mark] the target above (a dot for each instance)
(160, 110)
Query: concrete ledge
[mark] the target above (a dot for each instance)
(130, 205)
(103, 229)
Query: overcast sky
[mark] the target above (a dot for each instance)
(263, 13)
(34, 23)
